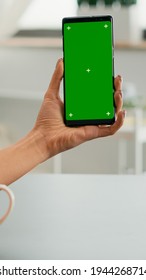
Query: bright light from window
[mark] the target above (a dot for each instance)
(47, 14)
(142, 13)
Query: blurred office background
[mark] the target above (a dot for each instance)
(31, 43)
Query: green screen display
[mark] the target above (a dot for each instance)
(88, 70)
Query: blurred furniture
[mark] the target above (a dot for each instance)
(133, 129)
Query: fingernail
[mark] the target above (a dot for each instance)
(60, 59)
(120, 78)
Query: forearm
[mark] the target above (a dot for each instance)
(20, 158)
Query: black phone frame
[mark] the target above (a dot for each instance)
(75, 123)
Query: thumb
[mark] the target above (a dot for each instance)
(56, 79)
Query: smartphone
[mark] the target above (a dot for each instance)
(88, 54)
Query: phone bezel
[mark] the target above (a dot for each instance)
(87, 121)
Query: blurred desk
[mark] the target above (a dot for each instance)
(76, 217)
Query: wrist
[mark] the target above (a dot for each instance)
(22, 157)
(38, 145)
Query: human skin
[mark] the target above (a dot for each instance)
(50, 136)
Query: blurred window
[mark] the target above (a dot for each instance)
(47, 14)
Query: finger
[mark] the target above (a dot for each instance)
(56, 79)
(118, 101)
(93, 132)
(118, 83)
(118, 94)
(110, 130)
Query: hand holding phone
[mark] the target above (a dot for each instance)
(88, 71)
(50, 121)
